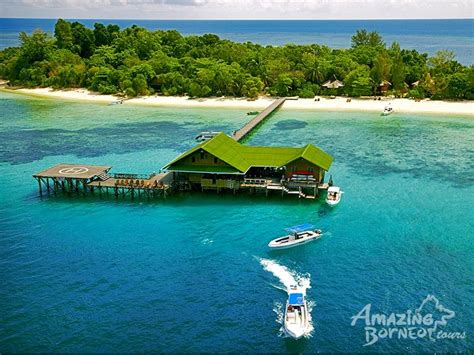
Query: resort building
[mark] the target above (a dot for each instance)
(223, 163)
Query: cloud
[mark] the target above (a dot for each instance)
(240, 9)
(103, 3)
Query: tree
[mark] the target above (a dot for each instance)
(282, 85)
(398, 71)
(252, 87)
(315, 69)
(370, 39)
(63, 34)
(36, 47)
(196, 90)
(83, 40)
(362, 86)
(457, 86)
(441, 61)
(358, 82)
(144, 69)
(101, 35)
(307, 91)
(380, 70)
(415, 65)
(140, 85)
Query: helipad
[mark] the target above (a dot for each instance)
(73, 171)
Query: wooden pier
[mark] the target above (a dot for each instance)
(68, 178)
(220, 163)
(244, 132)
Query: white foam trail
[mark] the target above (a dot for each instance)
(310, 329)
(288, 278)
(278, 308)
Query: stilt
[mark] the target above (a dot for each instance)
(39, 186)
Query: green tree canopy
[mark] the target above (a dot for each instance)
(136, 61)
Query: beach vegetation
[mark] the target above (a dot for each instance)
(135, 62)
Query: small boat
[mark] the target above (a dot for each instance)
(204, 136)
(252, 113)
(298, 235)
(117, 102)
(388, 110)
(296, 322)
(334, 195)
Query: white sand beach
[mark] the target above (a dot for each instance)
(324, 104)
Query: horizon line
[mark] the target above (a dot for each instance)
(238, 19)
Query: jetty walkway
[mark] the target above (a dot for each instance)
(244, 132)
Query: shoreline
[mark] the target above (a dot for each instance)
(325, 104)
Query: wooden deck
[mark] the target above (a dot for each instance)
(155, 185)
(252, 124)
(73, 171)
(158, 181)
(68, 178)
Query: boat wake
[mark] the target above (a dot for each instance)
(287, 278)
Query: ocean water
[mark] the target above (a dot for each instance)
(427, 36)
(193, 272)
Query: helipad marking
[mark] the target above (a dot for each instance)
(74, 170)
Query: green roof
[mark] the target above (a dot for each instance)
(206, 169)
(242, 157)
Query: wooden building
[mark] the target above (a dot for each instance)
(222, 163)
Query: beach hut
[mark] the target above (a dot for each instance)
(384, 86)
(333, 84)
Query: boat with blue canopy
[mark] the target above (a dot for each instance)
(296, 322)
(297, 235)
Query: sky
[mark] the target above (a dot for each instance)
(238, 9)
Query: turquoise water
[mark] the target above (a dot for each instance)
(426, 36)
(187, 273)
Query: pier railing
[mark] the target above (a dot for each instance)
(133, 176)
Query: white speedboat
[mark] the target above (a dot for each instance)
(334, 195)
(296, 323)
(298, 235)
(116, 102)
(388, 110)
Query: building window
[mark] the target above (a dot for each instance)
(202, 155)
(215, 160)
(193, 159)
(293, 169)
(311, 170)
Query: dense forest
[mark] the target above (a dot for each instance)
(135, 61)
